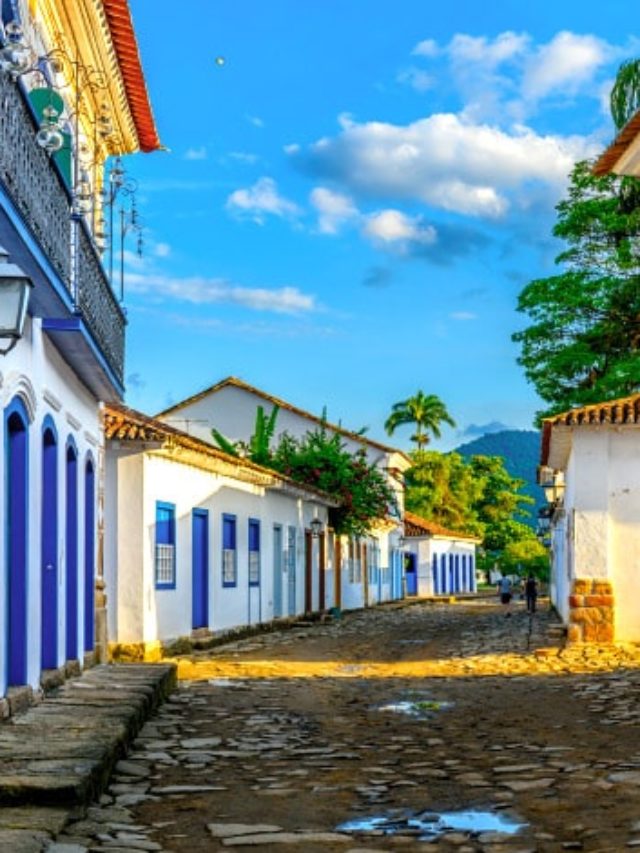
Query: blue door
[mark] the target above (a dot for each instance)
(200, 568)
(443, 573)
(89, 554)
(49, 568)
(71, 551)
(17, 438)
(434, 572)
(277, 571)
(411, 573)
(291, 569)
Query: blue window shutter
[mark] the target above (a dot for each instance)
(229, 533)
(254, 535)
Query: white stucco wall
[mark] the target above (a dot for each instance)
(598, 534)
(426, 548)
(35, 372)
(147, 614)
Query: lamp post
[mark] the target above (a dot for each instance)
(15, 287)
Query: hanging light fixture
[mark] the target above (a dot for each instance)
(15, 55)
(50, 136)
(316, 527)
(15, 287)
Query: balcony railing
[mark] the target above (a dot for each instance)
(40, 195)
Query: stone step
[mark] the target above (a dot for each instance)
(61, 753)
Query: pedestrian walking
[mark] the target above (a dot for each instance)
(531, 593)
(504, 590)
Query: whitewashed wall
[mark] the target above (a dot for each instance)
(427, 547)
(146, 614)
(35, 372)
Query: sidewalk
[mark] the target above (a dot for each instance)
(58, 755)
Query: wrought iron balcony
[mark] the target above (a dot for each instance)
(38, 192)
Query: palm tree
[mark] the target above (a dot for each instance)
(625, 95)
(426, 411)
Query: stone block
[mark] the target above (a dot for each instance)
(574, 634)
(603, 588)
(598, 600)
(586, 615)
(576, 601)
(582, 586)
(590, 633)
(605, 633)
(20, 699)
(4, 709)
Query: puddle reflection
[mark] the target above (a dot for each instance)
(429, 825)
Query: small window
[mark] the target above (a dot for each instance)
(165, 551)
(229, 553)
(254, 552)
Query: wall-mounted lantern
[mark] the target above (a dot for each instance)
(15, 287)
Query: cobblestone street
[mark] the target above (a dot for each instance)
(420, 727)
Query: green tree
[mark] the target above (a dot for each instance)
(426, 411)
(524, 557)
(625, 94)
(583, 342)
(320, 459)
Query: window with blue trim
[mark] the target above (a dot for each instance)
(229, 551)
(254, 552)
(165, 552)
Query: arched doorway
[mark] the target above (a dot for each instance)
(49, 568)
(71, 551)
(17, 494)
(89, 553)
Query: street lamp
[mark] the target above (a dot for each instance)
(15, 55)
(316, 527)
(15, 287)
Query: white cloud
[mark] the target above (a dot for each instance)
(472, 49)
(260, 199)
(334, 209)
(463, 315)
(417, 79)
(392, 228)
(162, 250)
(256, 121)
(428, 47)
(202, 291)
(196, 153)
(564, 65)
(292, 148)
(444, 161)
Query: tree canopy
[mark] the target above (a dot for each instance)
(583, 342)
(426, 411)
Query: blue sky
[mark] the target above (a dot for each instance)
(352, 202)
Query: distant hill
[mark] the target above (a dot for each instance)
(520, 449)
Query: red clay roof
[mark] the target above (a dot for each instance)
(605, 163)
(414, 525)
(624, 410)
(126, 47)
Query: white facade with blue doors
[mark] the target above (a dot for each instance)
(437, 561)
(50, 433)
(201, 541)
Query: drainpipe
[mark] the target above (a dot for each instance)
(101, 636)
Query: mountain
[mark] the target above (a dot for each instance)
(520, 449)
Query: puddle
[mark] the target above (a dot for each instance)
(428, 825)
(420, 708)
(226, 682)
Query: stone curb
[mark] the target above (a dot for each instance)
(59, 755)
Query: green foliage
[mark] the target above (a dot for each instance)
(583, 341)
(475, 495)
(258, 449)
(520, 450)
(321, 460)
(525, 557)
(426, 411)
(625, 94)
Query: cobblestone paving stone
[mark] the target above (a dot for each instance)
(274, 742)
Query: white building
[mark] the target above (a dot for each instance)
(71, 354)
(203, 542)
(593, 454)
(367, 571)
(437, 561)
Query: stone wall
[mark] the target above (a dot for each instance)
(591, 612)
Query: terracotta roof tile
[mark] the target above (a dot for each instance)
(126, 47)
(415, 525)
(605, 163)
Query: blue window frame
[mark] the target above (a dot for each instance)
(165, 551)
(254, 552)
(229, 551)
